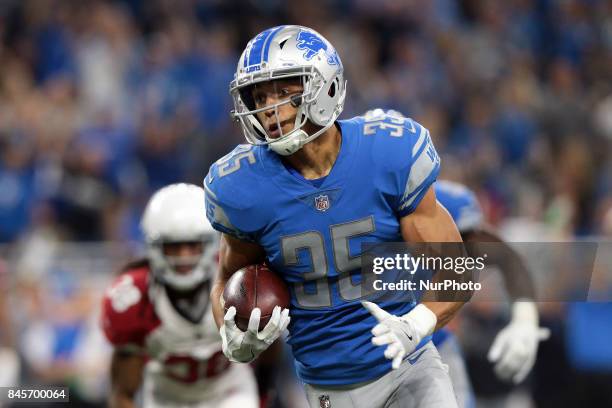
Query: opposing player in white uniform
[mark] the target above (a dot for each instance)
(158, 317)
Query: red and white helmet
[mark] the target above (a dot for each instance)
(286, 52)
(176, 214)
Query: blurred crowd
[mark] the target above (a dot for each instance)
(103, 102)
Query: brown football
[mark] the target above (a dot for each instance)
(254, 286)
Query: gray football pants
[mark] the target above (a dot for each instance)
(422, 381)
(450, 352)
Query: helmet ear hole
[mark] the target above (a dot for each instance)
(332, 90)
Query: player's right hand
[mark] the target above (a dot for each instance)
(401, 334)
(244, 346)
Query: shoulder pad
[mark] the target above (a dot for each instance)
(396, 140)
(392, 138)
(228, 175)
(403, 152)
(127, 314)
(233, 193)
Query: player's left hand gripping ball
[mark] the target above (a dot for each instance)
(244, 346)
(401, 334)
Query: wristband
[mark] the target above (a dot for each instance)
(525, 311)
(423, 319)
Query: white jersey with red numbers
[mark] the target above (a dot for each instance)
(185, 366)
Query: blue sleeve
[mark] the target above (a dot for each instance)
(219, 219)
(231, 199)
(423, 166)
(461, 203)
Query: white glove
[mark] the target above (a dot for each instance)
(402, 334)
(244, 347)
(515, 347)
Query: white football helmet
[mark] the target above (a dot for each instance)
(287, 52)
(174, 214)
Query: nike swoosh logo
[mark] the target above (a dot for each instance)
(406, 333)
(415, 359)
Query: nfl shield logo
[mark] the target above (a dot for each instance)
(322, 202)
(324, 401)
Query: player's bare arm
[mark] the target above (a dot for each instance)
(430, 222)
(515, 273)
(233, 255)
(126, 377)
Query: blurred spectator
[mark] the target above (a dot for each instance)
(105, 101)
(61, 342)
(9, 360)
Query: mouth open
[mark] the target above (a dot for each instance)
(274, 130)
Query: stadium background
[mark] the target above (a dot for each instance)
(103, 102)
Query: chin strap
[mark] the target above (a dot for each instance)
(289, 144)
(295, 140)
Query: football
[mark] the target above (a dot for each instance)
(254, 286)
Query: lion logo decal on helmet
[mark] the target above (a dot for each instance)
(313, 44)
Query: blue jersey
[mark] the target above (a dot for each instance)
(312, 233)
(461, 203)
(440, 336)
(463, 206)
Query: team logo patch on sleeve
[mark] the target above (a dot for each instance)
(322, 202)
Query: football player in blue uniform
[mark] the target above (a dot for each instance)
(515, 347)
(303, 196)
